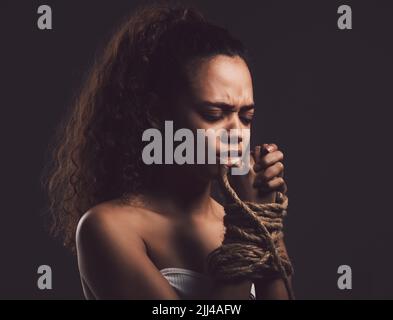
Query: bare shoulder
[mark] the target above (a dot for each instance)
(112, 257)
(108, 231)
(109, 219)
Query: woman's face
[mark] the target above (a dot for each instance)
(221, 97)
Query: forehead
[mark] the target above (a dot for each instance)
(223, 79)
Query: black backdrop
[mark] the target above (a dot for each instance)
(323, 95)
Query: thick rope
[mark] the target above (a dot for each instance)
(251, 247)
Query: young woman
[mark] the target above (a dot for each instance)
(144, 231)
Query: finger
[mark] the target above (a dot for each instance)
(257, 154)
(271, 172)
(281, 174)
(271, 158)
(267, 148)
(260, 152)
(284, 188)
(271, 185)
(275, 183)
(271, 147)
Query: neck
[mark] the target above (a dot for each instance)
(178, 191)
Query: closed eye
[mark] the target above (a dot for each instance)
(247, 117)
(215, 112)
(213, 115)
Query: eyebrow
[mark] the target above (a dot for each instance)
(226, 106)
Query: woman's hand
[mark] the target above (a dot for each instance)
(265, 177)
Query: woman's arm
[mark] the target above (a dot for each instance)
(232, 291)
(114, 264)
(272, 289)
(261, 186)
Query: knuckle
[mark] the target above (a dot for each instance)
(280, 166)
(277, 182)
(274, 146)
(280, 154)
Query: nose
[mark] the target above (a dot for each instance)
(234, 129)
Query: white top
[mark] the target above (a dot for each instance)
(190, 284)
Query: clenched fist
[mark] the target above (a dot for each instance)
(264, 178)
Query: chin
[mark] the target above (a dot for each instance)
(213, 171)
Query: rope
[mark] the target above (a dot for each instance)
(251, 243)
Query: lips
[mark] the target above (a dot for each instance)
(237, 152)
(229, 161)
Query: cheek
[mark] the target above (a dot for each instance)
(190, 119)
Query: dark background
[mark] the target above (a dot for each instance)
(323, 95)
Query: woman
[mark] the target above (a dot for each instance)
(140, 231)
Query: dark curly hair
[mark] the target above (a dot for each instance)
(96, 153)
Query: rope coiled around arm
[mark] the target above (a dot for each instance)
(251, 249)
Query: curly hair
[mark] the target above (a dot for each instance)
(96, 153)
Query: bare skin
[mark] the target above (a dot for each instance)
(122, 248)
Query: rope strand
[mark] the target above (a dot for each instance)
(250, 249)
